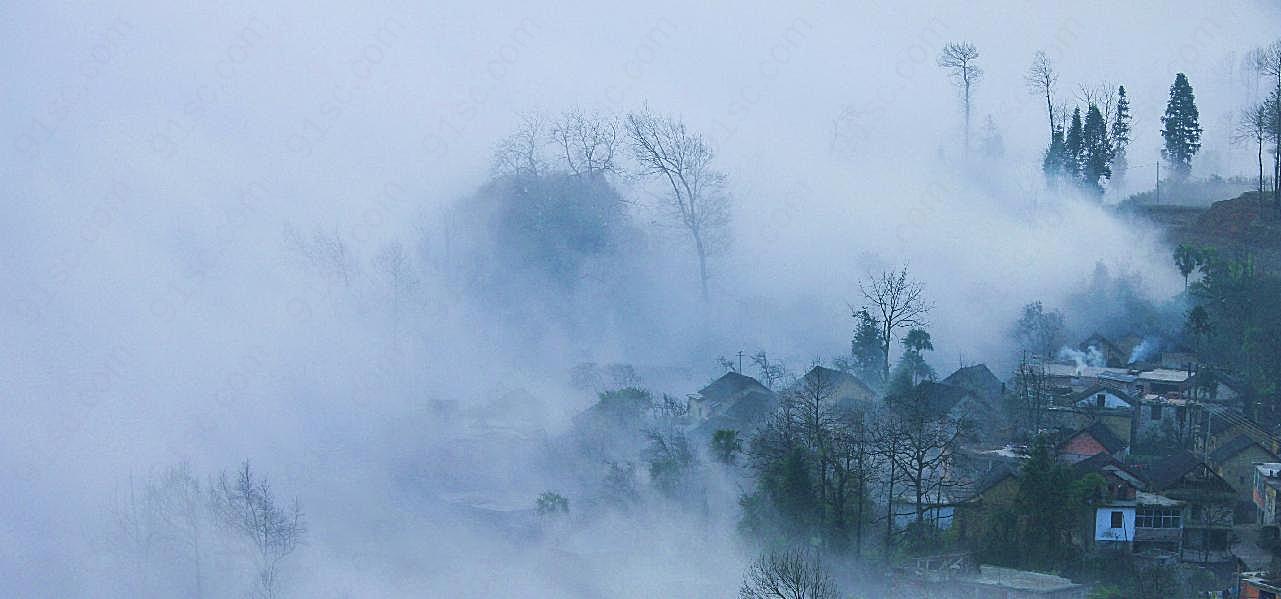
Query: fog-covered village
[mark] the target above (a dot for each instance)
(804, 301)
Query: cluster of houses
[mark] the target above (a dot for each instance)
(1189, 478)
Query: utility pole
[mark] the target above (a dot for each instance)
(740, 361)
(1158, 182)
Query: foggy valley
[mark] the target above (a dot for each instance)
(792, 300)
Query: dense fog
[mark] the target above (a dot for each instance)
(274, 233)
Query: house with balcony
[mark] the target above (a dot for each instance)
(1193, 514)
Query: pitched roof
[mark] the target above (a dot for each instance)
(1101, 433)
(991, 478)
(1101, 462)
(940, 398)
(1237, 445)
(977, 378)
(844, 384)
(731, 384)
(744, 414)
(1100, 388)
(1170, 470)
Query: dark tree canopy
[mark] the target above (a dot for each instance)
(1182, 132)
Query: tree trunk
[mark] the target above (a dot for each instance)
(702, 265)
(967, 117)
(1049, 110)
(858, 526)
(889, 512)
(1260, 168)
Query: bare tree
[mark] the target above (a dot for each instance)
(667, 150)
(1103, 96)
(587, 142)
(1267, 61)
(521, 153)
(787, 575)
(855, 464)
(1252, 128)
(772, 373)
(888, 445)
(246, 508)
(900, 303)
(1040, 79)
(393, 263)
(927, 445)
(160, 522)
(136, 533)
(179, 505)
(961, 61)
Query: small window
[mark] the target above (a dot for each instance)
(1118, 520)
(1101, 399)
(1156, 411)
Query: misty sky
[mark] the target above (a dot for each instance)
(163, 163)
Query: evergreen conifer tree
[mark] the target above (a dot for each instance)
(1096, 151)
(1074, 148)
(1120, 136)
(1182, 130)
(1054, 160)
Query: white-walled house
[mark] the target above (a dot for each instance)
(1101, 397)
(1114, 523)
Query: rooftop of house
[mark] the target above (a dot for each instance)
(744, 413)
(1008, 451)
(730, 385)
(1262, 580)
(1021, 580)
(1102, 462)
(977, 378)
(940, 398)
(992, 478)
(1167, 472)
(1097, 388)
(1123, 375)
(1269, 469)
(1153, 499)
(846, 388)
(1101, 433)
(1231, 449)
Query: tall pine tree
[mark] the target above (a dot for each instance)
(1054, 160)
(1120, 135)
(1074, 148)
(1182, 130)
(1096, 151)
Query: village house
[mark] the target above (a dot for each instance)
(1162, 423)
(1092, 440)
(1100, 397)
(1267, 481)
(1112, 524)
(976, 414)
(1097, 403)
(733, 402)
(1193, 499)
(1235, 461)
(1226, 424)
(979, 379)
(1133, 381)
(844, 390)
(989, 501)
(1259, 585)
